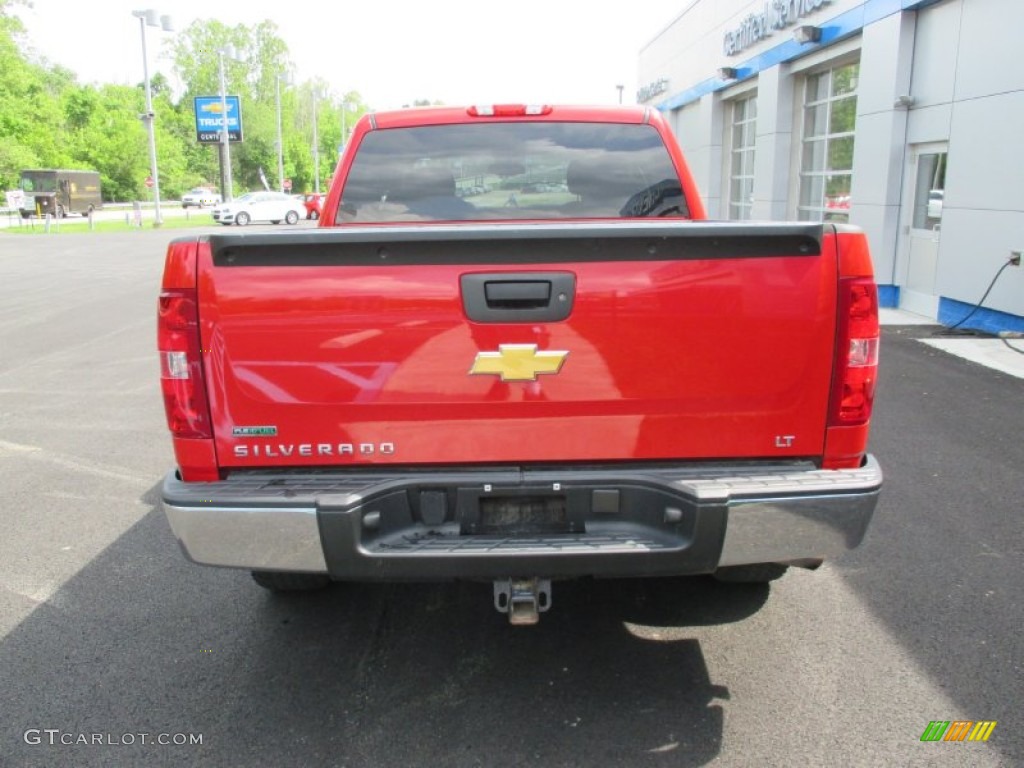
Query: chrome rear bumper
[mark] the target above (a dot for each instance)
(619, 521)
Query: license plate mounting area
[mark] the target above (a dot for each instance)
(519, 512)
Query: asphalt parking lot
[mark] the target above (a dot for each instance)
(106, 631)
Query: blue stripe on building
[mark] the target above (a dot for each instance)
(889, 296)
(844, 25)
(952, 312)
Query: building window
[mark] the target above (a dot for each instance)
(742, 139)
(930, 190)
(826, 163)
(741, 160)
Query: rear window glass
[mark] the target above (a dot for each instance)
(518, 171)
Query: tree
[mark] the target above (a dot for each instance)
(48, 119)
(260, 56)
(18, 80)
(114, 141)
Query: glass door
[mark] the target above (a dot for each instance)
(924, 228)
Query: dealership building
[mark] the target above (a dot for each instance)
(903, 117)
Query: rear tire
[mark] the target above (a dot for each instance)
(758, 573)
(285, 581)
(242, 219)
(291, 217)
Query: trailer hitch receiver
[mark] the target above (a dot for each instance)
(522, 599)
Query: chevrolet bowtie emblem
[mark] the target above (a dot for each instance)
(518, 362)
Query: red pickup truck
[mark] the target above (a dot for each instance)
(514, 350)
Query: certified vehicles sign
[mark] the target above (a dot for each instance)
(210, 118)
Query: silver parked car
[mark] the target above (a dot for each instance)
(274, 207)
(199, 197)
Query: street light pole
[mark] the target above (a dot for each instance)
(280, 140)
(153, 19)
(225, 142)
(316, 149)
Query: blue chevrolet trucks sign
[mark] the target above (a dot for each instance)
(209, 119)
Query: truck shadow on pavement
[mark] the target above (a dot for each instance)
(140, 641)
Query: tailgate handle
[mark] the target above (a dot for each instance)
(517, 294)
(518, 297)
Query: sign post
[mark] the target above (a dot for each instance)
(149, 186)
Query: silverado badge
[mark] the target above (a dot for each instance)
(518, 362)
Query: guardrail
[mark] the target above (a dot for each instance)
(139, 213)
(130, 206)
(146, 205)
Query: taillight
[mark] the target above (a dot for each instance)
(181, 368)
(856, 373)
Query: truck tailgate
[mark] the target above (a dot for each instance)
(498, 344)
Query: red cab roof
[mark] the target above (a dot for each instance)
(417, 116)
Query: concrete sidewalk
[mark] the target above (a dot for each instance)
(992, 353)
